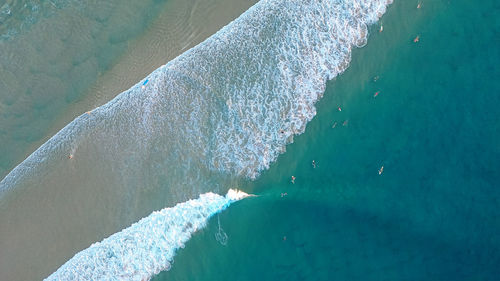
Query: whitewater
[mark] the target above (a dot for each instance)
(221, 111)
(148, 246)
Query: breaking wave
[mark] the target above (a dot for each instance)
(230, 104)
(227, 107)
(148, 246)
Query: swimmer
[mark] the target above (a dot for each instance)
(376, 94)
(334, 125)
(314, 164)
(340, 109)
(381, 28)
(381, 170)
(416, 39)
(345, 123)
(284, 194)
(375, 79)
(419, 5)
(293, 179)
(70, 156)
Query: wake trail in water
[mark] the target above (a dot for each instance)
(148, 246)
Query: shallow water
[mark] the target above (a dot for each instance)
(36, 211)
(51, 52)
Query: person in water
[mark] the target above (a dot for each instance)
(314, 164)
(293, 179)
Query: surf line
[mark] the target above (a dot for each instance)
(148, 246)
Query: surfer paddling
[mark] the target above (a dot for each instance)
(314, 164)
(381, 170)
(419, 5)
(293, 180)
(416, 39)
(376, 94)
(381, 28)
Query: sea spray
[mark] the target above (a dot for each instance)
(148, 246)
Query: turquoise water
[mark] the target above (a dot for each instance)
(431, 215)
(433, 212)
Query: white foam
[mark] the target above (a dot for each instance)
(148, 246)
(230, 104)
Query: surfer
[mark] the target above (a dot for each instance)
(293, 179)
(416, 39)
(314, 164)
(88, 112)
(345, 123)
(419, 5)
(381, 170)
(375, 79)
(70, 156)
(340, 109)
(376, 94)
(334, 125)
(381, 28)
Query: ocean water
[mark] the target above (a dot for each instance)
(36, 214)
(432, 214)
